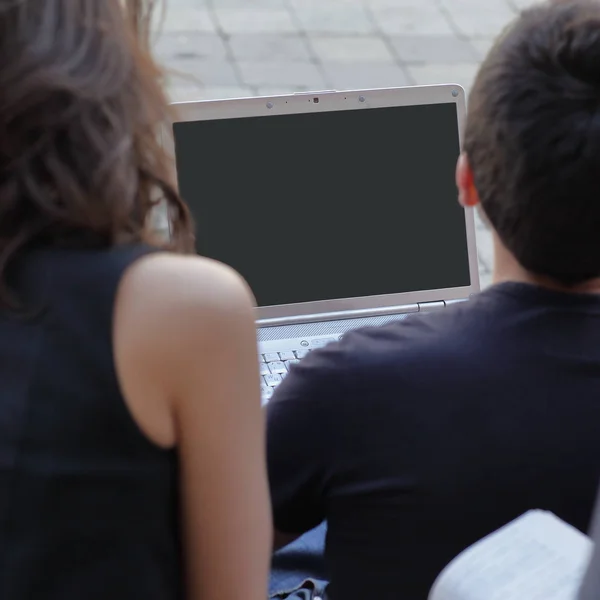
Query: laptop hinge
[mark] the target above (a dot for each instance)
(341, 315)
(428, 306)
(457, 301)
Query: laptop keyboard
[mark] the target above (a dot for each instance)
(279, 351)
(274, 366)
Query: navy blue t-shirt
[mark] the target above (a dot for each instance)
(416, 439)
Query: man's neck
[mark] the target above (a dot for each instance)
(507, 269)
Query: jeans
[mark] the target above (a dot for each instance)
(298, 570)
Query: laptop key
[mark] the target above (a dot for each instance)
(271, 357)
(277, 367)
(288, 355)
(264, 369)
(266, 393)
(292, 362)
(273, 380)
(301, 353)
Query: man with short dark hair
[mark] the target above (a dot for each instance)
(417, 439)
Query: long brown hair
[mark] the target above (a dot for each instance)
(81, 105)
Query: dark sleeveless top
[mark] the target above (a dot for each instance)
(88, 505)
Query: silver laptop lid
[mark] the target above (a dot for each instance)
(332, 203)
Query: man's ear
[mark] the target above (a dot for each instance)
(467, 194)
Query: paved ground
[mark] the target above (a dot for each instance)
(228, 48)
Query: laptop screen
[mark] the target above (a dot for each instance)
(328, 205)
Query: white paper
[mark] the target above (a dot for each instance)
(535, 557)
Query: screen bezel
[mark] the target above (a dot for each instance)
(328, 102)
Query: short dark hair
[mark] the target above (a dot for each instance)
(533, 139)
(81, 109)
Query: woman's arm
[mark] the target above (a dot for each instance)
(190, 375)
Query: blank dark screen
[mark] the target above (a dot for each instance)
(328, 205)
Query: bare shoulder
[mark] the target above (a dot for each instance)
(171, 286)
(175, 318)
(171, 304)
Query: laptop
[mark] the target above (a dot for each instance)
(338, 208)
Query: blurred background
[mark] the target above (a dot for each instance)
(234, 48)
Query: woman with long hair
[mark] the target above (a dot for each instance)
(131, 434)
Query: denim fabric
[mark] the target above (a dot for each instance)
(300, 561)
(310, 589)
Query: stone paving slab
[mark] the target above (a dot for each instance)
(352, 49)
(237, 48)
(434, 49)
(273, 48)
(300, 75)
